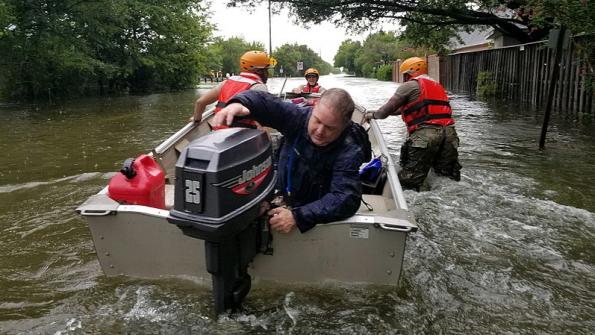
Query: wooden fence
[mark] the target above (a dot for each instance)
(521, 72)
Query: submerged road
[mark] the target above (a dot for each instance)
(508, 250)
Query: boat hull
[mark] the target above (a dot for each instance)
(138, 241)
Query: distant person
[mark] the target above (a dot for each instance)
(254, 73)
(311, 85)
(318, 171)
(432, 140)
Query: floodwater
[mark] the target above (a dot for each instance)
(507, 250)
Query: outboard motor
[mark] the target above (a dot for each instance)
(221, 180)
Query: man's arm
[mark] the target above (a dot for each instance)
(391, 107)
(343, 198)
(402, 96)
(271, 111)
(206, 99)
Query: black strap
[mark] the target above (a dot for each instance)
(368, 206)
(425, 103)
(427, 117)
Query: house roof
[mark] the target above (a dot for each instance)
(475, 37)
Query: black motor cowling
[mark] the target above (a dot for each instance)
(221, 180)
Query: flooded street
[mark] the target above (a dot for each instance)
(507, 250)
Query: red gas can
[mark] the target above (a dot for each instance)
(140, 182)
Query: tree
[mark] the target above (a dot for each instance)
(434, 21)
(5, 18)
(225, 54)
(288, 55)
(71, 47)
(385, 72)
(166, 41)
(346, 54)
(374, 52)
(377, 51)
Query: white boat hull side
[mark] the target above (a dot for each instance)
(352, 253)
(145, 245)
(139, 242)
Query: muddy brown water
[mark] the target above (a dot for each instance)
(508, 250)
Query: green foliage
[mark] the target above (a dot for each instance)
(5, 18)
(424, 35)
(579, 17)
(70, 47)
(364, 58)
(288, 55)
(378, 49)
(486, 85)
(433, 23)
(385, 72)
(346, 54)
(224, 54)
(576, 15)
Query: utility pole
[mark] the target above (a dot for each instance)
(558, 38)
(270, 39)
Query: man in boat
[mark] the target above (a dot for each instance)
(432, 140)
(254, 73)
(319, 162)
(311, 85)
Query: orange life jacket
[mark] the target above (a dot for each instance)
(234, 85)
(311, 89)
(432, 107)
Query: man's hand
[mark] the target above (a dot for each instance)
(226, 115)
(195, 118)
(281, 220)
(369, 115)
(198, 110)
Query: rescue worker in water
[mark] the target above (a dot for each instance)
(312, 85)
(254, 66)
(432, 140)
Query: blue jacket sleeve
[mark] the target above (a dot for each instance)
(271, 111)
(343, 198)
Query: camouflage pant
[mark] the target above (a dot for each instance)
(429, 147)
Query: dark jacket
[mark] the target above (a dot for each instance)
(324, 184)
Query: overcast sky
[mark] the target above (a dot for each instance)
(324, 38)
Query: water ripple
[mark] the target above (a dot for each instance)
(507, 250)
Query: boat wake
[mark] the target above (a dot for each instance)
(79, 178)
